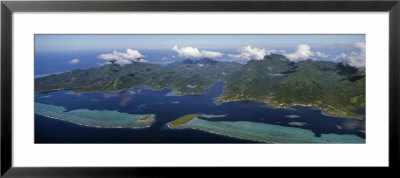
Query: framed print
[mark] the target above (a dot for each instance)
(149, 87)
(160, 93)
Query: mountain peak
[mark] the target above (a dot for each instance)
(207, 61)
(189, 61)
(276, 57)
(200, 61)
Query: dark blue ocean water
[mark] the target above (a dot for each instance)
(168, 108)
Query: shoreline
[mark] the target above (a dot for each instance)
(323, 112)
(73, 90)
(172, 93)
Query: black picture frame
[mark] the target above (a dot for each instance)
(8, 7)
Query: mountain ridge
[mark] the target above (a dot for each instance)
(333, 87)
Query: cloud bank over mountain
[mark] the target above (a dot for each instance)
(191, 52)
(123, 58)
(249, 53)
(304, 52)
(355, 58)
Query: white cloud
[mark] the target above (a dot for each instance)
(123, 58)
(360, 46)
(74, 61)
(164, 58)
(250, 53)
(211, 54)
(190, 52)
(355, 58)
(304, 52)
(323, 55)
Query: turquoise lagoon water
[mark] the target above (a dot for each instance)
(95, 118)
(266, 132)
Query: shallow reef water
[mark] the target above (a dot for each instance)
(268, 133)
(95, 118)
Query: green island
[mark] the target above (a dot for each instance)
(183, 119)
(334, 88)
(145, 118)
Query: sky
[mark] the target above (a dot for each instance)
(348, 49)
(65, 42)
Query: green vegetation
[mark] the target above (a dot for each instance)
(255, 80)
(331, 87)
(185, 78)
(145, 118)
(183, 119)
(207, 68)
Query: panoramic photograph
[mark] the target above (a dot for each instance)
(198, 88)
